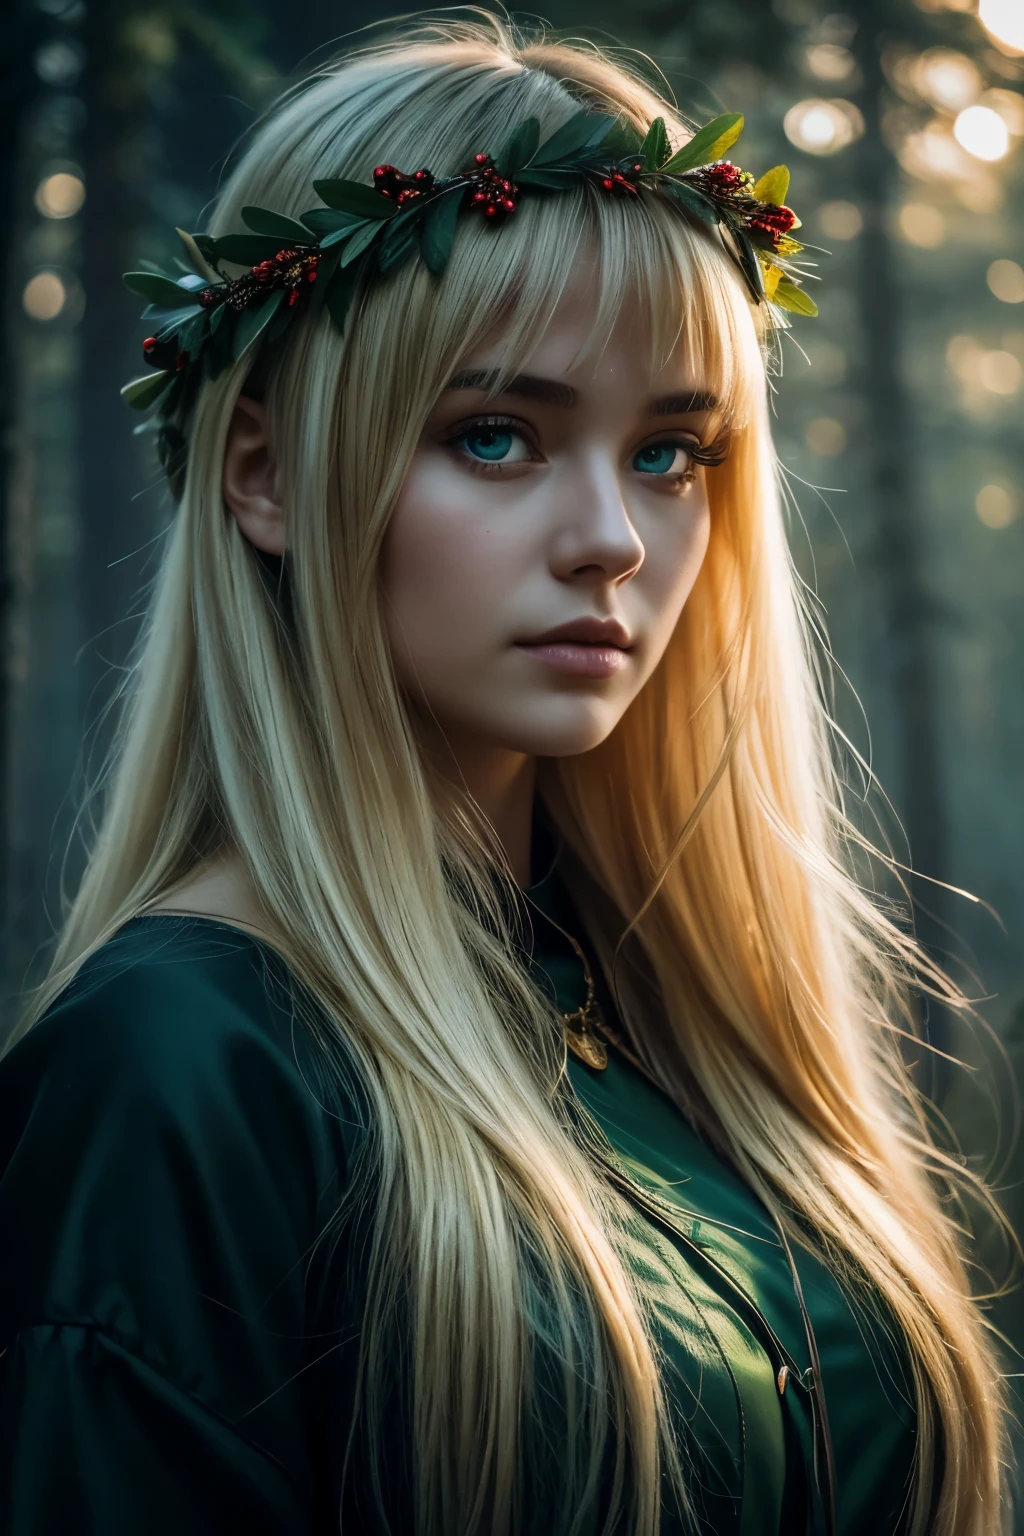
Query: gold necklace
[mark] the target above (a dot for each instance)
(581, 1025)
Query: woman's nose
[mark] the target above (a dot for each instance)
(593, 528)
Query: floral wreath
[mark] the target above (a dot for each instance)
(205, 320)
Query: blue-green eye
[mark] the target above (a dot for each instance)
(663, 459)
(489, 443)
(493, 443)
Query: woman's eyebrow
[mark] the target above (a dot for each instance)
(684, 403)
(527, 385)
(553, 392)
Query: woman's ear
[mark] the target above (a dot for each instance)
(249, 479)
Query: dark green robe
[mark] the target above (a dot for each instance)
(178, 1349)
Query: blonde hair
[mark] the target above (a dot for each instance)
(706, 841)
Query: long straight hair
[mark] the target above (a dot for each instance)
(706, 845)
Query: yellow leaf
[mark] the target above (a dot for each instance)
(773, 186)
(772, 275)
(791, 297)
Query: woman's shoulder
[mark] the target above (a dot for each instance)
(175, 1059)
(170, 1165)
(168, 1006)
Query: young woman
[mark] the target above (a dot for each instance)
(466, 1095)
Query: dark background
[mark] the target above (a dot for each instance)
(898, 418)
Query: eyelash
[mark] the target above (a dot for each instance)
(707, 454)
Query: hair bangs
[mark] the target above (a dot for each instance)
(502, 286)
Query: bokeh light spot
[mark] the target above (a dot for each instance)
(922, 224)
(829, 61)
(825, 436)
(44, 296)
(982, 132)
(1003, 20)
(996, 506)
(1010, 107)
(840, 220)
(60, 195)
(1005, 279)
(822, 127)
(1000, 373)
(947, 78)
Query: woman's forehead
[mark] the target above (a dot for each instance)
(644, 306)
(571, 353)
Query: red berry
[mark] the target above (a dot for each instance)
(311, 275)
(607, 183)
(293, 297)
(508, 203)
(480, 159)
(149, 344)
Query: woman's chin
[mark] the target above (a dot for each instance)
(562, 728)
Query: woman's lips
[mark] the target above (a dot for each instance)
(576, 658)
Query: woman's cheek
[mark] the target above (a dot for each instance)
(448, 565)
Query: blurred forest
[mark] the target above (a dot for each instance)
(898, 417)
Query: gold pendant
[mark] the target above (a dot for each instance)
(590, 1050)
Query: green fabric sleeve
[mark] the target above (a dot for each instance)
(94, 1440)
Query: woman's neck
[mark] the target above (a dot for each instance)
(501, 784)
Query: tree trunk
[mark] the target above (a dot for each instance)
(907, 610)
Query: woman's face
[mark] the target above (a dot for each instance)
(572, 498)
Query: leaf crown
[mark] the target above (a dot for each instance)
(203, 321)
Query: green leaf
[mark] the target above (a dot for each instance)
(278, 325)
(789, 296)
(168, 317)
(693, 201)
(622, 139)
(159, 290)
(340, 292)
(537, 176)
(264, 222)
(324, 221)
(191, 334)
(247, 250)
(219, 316)
(251, 322)
(324, 272)
(707, 145)
(399, 241)
(347, 231)
(749, 264)
(356, 244)
(220, 353)
(655, 147)
(353, 197)
(438, 229)
(773, 186)
(584, 130)
(196, 260)
(142, 392)
(520, 147)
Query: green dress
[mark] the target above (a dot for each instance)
(178, 1349)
